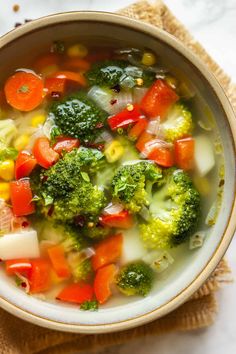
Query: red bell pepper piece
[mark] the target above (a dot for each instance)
(104, 278)
(158, 99)
(162, 156)
(184, 153)
(18, 265)
(25, 163)
(39, 275)
(65, 144)
(142, 140)
(122, 220)
(21, 197)
(59, 262)
(43, 153)
(129, 115)
(54, 85)
(76, 293)
(107, 251)
(138, 129)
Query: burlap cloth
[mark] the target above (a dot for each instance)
(19, 337)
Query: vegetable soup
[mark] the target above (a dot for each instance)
(107, 168)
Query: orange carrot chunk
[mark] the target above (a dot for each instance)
(24, 91)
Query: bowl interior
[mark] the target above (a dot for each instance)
(74, 27)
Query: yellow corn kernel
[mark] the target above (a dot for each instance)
(202, 184)
(139, 81)
(171, 81)
(77, 50)
(114, 151)
(7, 170)
(21, 142)
(5, 191)
(148, 59)
(37, 120)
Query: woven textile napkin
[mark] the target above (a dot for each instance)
(19, 337)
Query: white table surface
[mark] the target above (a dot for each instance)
(213, 23)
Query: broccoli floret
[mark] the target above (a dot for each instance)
(73, 240)
(135, 279)
(82, 271)
(78, 117)
(89, 305)
(8, 131)
(65, 190)
(130, 182)
(96, 233)
(110, 73)
(178, 123)
(175, 210)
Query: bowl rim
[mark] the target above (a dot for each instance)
(168, 39)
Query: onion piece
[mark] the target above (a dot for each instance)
(48, 126)
(133, 162)
(153, 144)
(145, 213)
(105, 136)
(102, 97)
(204, 126)
(127, 51)
(5, 217)
(24, 281)
(159, 260)
(154, 127)
(139, 93)
(89, 252)
(197, 239)
(113, 208)
(212, 214)
(121, 99)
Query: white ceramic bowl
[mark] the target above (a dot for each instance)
(189, 274)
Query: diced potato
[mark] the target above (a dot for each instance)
(133, 248)
(114, 151)
(19, 245)
(202, 184)
(5, 191)
(7, 170)
(203, 155)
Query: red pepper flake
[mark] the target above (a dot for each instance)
(23, 284)
(18, 24)
(113, 101)
(25, 224)
(51, 210)
(55, 95)
(0, 260)
(27, 20)
(99, 125)
(79, 220)
(16, 8)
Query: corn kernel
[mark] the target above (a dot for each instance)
(129, 107)
(7, 170)
(77, 50)
(114, 151)
(37, 120)
(139, 81)
(21, 142)
(148, 59)
(5, 191)
(171, 81)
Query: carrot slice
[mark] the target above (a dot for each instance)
(71, 76)
(46, 60)
(24, 91)
(107, 251)
(138, 129)
(142, 140)
(105, 276)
